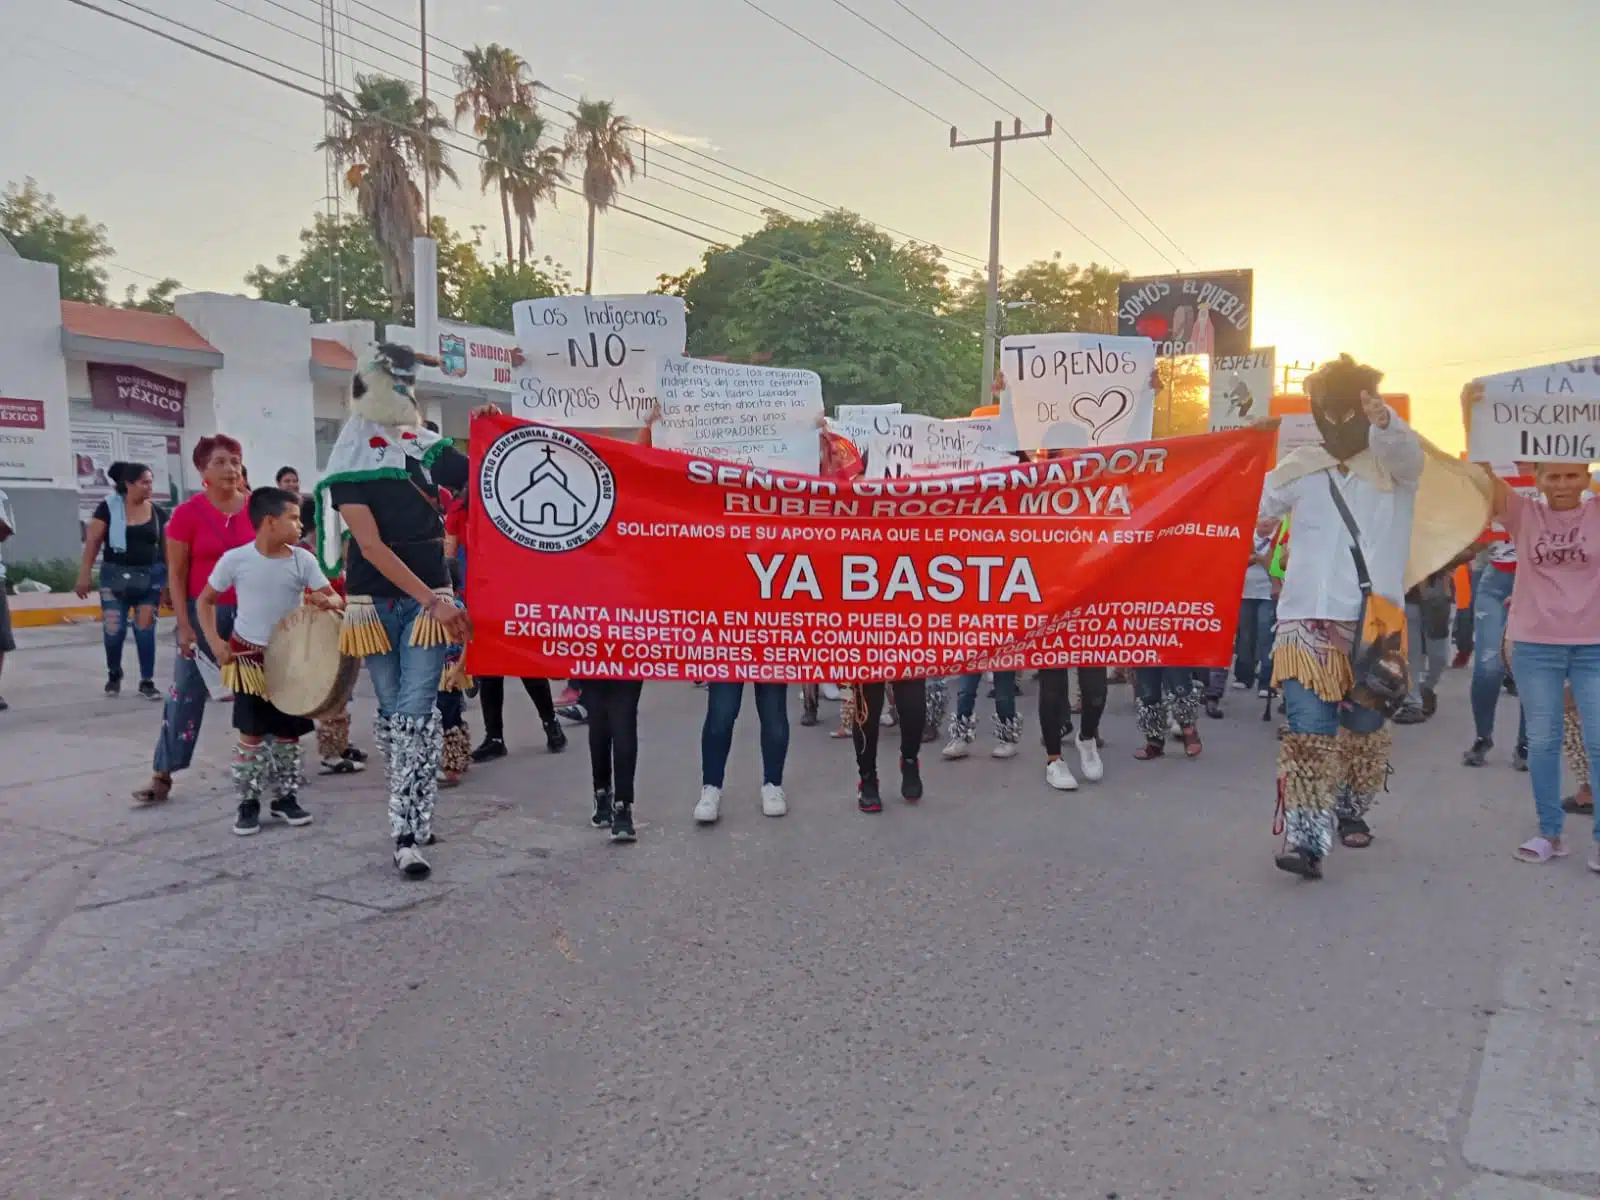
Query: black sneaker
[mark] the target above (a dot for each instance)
(622, 824)
(288, 809)
(910, 780)
(555, 737)
(1519, 757)
(808, 716)
(601, 817)
(575, 713)
(248, 822)
(114, 685)
(1410, 714)
(148, 689)
(1300, 862)
(1430, 702)
(351, 754)
(1479, 754)
(868, 799)
(490, 749)
(1214, 709)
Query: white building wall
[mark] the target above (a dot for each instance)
(262, 395)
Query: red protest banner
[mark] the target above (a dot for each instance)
(595, 558)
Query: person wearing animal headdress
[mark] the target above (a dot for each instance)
(383, 480)
(1373, 499)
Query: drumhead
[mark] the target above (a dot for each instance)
(305, 670)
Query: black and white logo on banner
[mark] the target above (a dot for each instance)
(545, 489)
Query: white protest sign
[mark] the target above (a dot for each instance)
(1296, 430)
(994, 433)
(904, 444)
(1241, 387)
(590, 361)
(1067, 391)
(1539, 414)
(761, 416)
(852, 412)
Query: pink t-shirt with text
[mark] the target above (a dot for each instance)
(209, 533)
(1557, 595)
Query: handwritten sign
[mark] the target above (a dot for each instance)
(1075, 390)
(590, 361)
(761, 416)
(908, 444)
(1241, 387)
(1539, 414)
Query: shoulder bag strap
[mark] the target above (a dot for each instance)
(1362, 576)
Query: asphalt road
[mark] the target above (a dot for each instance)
(1004, 992)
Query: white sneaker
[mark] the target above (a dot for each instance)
(410, 863)
(1089, 757)
(1059, 776)
(956, 747)
(1263, 693)
(710, 806)
(830, 691)
(1241, 685)
(773, 803)
(1005, 750)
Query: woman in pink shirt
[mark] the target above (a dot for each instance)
(202, 529)
(1554, 631)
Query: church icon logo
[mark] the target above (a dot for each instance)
(545, 489)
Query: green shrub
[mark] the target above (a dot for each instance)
(59, 573)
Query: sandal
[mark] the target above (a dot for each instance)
(1150, 750)
(1300, 862)
(157, 791)
(1594, 859)
(1354, 833)
(1539, 850)
(1191, 741)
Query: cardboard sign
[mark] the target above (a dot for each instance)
(1241, 387)
(1539, 414)
(1068, 391)
(763, 416)
(908, 444)
(590, 361)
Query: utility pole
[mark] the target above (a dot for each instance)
(427, 179)
(992, 308)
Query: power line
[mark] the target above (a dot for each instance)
(972, 58)
(283, 66)
(295, 87)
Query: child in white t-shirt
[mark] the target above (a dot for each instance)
(272, 576)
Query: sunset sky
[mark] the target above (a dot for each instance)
(1416, 183)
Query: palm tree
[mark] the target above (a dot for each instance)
(525, 171)
(385, 132)
(497, 90)
(599, 136)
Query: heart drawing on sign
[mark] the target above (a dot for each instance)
(1100, 412)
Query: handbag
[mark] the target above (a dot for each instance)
(1378, 659)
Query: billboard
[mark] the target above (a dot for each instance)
(1206, 313)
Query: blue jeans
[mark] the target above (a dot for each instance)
(406, 679)
(115, 614)
(1310, 713)
(1428, 655)
(185, 709)
(1490, 591)
(1005, 695)
(1252, 649)
(716, 736)
(1542, 670)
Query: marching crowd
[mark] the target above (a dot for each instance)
(1342, 526)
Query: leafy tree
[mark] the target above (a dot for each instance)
(157, 297)
(342, 256)
(1047, 297)
(38, 229)
(487, 300)
(599, 137)
(385, 132)
(889, 334)
(1183, 402)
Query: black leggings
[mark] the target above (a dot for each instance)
(492, 694)
(911, 698)
(613, 708)
(1055, 714)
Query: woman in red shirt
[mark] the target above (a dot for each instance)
(202, 529)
